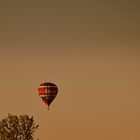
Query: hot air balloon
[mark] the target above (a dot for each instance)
(47, 92)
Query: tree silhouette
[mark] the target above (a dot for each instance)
(15, 127)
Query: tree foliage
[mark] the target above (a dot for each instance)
(15, 127)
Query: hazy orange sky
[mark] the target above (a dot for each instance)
(90, 49)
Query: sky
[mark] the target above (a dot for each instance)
(89, 49)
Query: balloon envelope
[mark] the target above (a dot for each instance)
(47, 92)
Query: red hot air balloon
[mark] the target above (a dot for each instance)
(47, 92)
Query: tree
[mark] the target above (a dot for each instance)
(15, 127)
